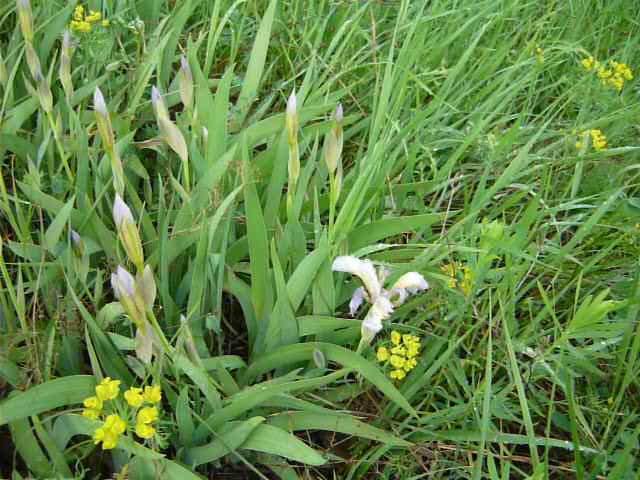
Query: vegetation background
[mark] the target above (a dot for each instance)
(472, 153)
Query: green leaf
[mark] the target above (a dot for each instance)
(53, 233)
(229, 438)
(302, 278)
(273, 440)
(47, 396)
(294, 421)
(370, 233)
(255, 67)
(300, 352)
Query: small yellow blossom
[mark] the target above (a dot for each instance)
(109, 432)
(397, 374)
(598, 139)
(93, 17)
(382, 354)
(78, 13)
(147, 415)
(91, 413)
(152, 394)
(134, 397)
(105, 23)
(589, 63)
(93, 402)
(399, 350)
(410, 364)
(80, 26)
(145, 431)
(108, 389)
(413, 350)
(395, 337)
(397, 361)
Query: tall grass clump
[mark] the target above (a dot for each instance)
(283, 239)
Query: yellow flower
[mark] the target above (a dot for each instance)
(413, 350)
(399, 350)
(93, 402)
(105, 23)
(395, 338)
(80, 26)
(78, 13)
(91, 413)
(397, 374)
(588, 63)
(115, 424)
(397, 361)
(383, 354)
(109, 432)
(145, 431)
(134, 397)
(450, 271)
(152, 394)
(147, 415)
(93, 17)
(410, 364)
(108, 389)
(410, 339)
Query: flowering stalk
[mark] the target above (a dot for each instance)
(103, 121)
(170, 133)
(291, 122)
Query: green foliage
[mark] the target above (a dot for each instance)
(458, 161)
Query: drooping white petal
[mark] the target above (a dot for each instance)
(413, 282)
(363, 269)
(356, 300)
(121, 211)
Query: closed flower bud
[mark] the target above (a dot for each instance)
(108, 139)
(33, 61)
(168, 130)
(26, 19)
(128, 294)
(291, 121)
(65, 64)
(128, 232)
(186, 83)
(77, 243)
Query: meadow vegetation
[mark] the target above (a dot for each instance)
(327, 239)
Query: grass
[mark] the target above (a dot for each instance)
(458, 161)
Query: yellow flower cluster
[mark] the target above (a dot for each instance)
(598, 139)
(612, 73)
(83, 23)
(114, 426)
(110, 431)
(401, 355)
(454, 270)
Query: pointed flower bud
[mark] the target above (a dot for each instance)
(25, 16)
(64, 72)
(128, 232)
(168, 130)
(127, 293)
(291, 121)
(186, 83)
(121, 212)
(105, 130)
(77, 244)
